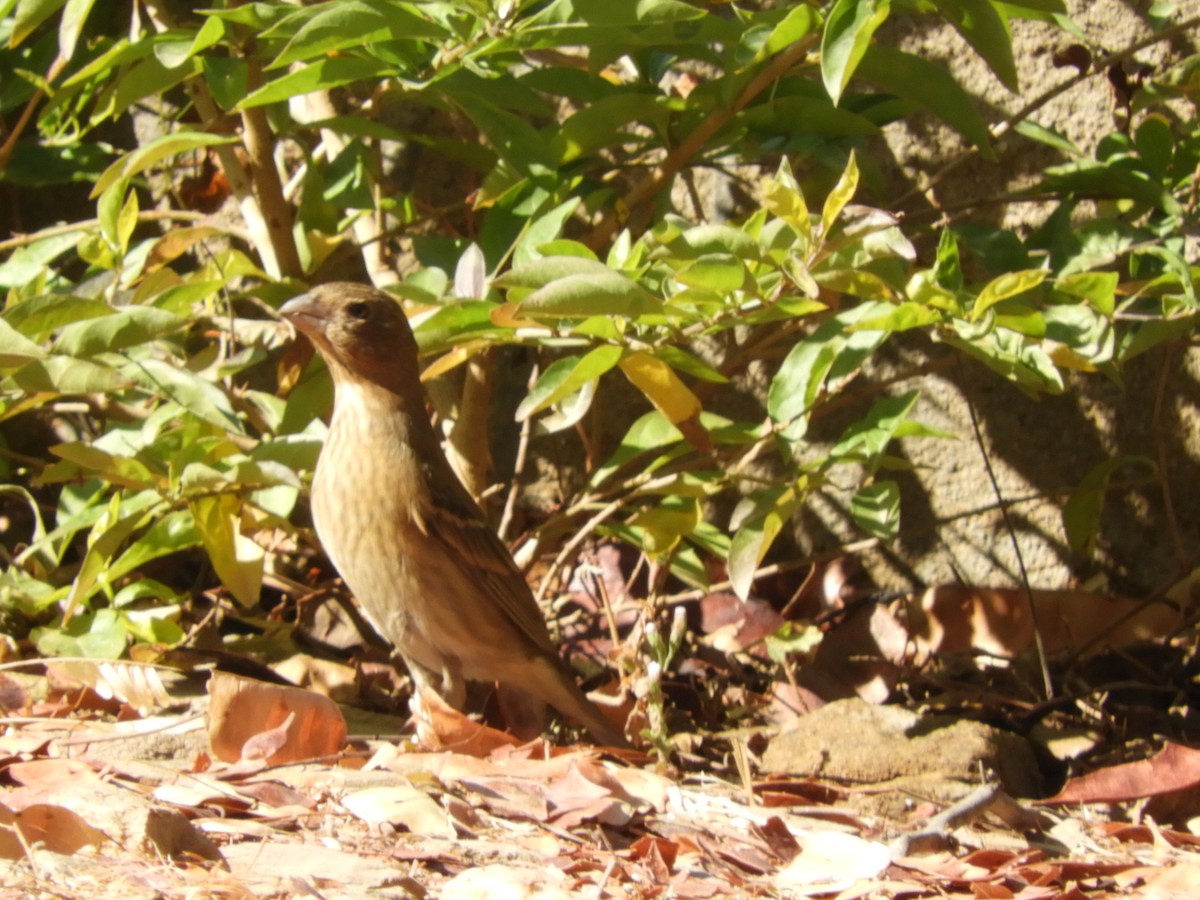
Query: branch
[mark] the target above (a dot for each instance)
(648, 187)
(1000, 129)
(268, 188)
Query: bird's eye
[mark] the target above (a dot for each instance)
(358, 310)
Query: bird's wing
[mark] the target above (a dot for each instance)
(454, 518)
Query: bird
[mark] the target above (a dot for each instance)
(407, 538)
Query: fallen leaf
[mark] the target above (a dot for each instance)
(56, 828)
(441, 727)
(831, 860)
(1174, 768)
(242, 708)
(960, 619)
(403, 805)
(499, 881)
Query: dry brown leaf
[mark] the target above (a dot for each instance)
(575, 798)
(960, 619)
(501, 881)
(403, 805)
(1174, 768)
(54, 827)
(12, 695)
(510, 797)
(51, 774)
(441, 727)
(136, 684)
(832, 861)
(242, 708)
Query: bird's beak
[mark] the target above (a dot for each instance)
(304, 314)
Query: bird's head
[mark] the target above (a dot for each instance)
(359, 330)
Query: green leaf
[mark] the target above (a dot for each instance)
(317, 76)
(848, 32)
(105, 538)
(1085, 333)
(169, 534)
(580, 296)
(1048, 136)
(28, 263)
(1008, 285)
(721, 273)
(157, 150)
(607, 122)
(1089, 178)
(1081, 513)
(74, 17)
(565, 377)
(784, 199)
(128, 327)
(29, 15)
(903, 317)
(683, 361)
(543, 231)
(351, 23)
(1097, 288)
(948, 270)
(36, 317)
(538, 273)
(201, 398)
(663, 526)
(867, 438)
(99, 635)
(876, 509)
(705, 240)
(930, 86)
(15, 349)
(986, 30)
(515, 141)
(800, 21)
(754, 537)
(453, 323)
(653, 431)
(795, 388)
(65, 375)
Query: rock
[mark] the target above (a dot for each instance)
(856, 742)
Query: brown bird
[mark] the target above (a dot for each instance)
(407, 537)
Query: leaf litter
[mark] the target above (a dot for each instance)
(116, 782)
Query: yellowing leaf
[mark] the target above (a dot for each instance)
(238, 561)
(841, 194)
(1007, 285)
(661, 385)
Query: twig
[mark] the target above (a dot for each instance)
(10, 143)
(1038, 642)
(1160, 446)
(149, 215)
(648, 187)
(1002, 128)
(936, 833)
(514, 488)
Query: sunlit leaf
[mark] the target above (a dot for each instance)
(876, 509)
(848, 32)
(238, 561)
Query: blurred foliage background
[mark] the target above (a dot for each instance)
(512, 171)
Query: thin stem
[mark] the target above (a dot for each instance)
(646, 189)
(1000, 129)
(150, 215)
(1038, 642)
